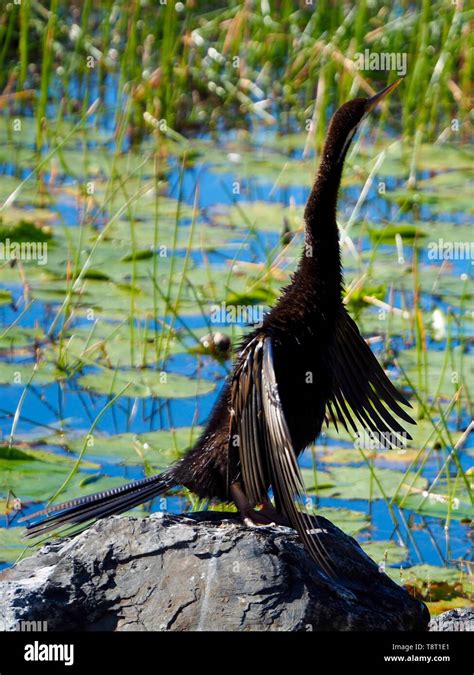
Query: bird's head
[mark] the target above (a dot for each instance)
(349, 116)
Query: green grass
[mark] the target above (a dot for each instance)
(292, 55)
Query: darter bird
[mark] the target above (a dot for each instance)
(305, 363)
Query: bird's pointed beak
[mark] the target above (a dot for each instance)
(375, 100)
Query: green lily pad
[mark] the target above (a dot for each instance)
(445, 373)
(28, 453)
(24, 478)
(110, 344)
(432, 574)
(385, 553)
(150, 204)
(257, 296)
(145, 383)
(349, 521)
(348, 482)
(112, 352)
(457, 180)
(28, 482)
(439, 200)
(387, 234)
(159, 448)
(32, 193)
(13, 543)
(20, 374)
(440, 587)
(25, 231)
(433, 506)
(16, 337)
(335, 455)
(6, 297)
(263, 216)
(438, 581)
(272, 166)
(204, 237)
(436, 157)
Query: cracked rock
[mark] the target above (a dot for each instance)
(202, 571)
(458, 620)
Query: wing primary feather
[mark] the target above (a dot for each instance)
(246, 410)
(361, 388)
(356, 342)
(266, 452)
(286, 477)
(376, 376)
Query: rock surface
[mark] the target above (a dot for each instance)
(458, 620)
(202, 572)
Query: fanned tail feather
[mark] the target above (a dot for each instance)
(98, 505)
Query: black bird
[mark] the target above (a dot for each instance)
(307, 362)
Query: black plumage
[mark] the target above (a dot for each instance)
(305, 363)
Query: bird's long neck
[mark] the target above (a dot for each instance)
(321, 257)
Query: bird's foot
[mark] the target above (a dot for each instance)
(267, 515)
(253, 518)
(269, 511)
(250, 517)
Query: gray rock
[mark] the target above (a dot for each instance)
(202, 572)
(454, 620)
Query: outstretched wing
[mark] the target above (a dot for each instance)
(265, 448)
(361, 389)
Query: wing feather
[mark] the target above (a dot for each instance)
(266, 453)
(361, 389)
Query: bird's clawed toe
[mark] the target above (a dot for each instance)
(255, 519)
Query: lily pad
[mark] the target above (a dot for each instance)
(440, 201)
(445, 372)
(432, 574)
(112, 352)
(348, 520)
(26, 454)
(158, 447)
(347, 482)
(13, 543)
(387, 234)
(263, 216)
(386, 553)
(439, 156)
(442, 588)
(16, 464)
(16, 337)
(25, 231)
(25, 479)
(153, 242)
(145, 383)
(20, 374)
(438, 506)
(5, 297)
